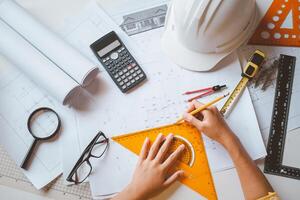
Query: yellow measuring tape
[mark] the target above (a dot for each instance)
(252, 67)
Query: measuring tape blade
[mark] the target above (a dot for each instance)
(252, 67)
(280, 115)
(193, 160)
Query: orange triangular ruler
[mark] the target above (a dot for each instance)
(193, 161)
(280, 25)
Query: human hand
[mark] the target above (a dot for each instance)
(153, 171)
(210, 122)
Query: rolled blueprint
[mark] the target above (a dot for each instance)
(68, 59)
(34, 64)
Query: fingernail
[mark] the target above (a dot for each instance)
(182, 146)
(170, 136)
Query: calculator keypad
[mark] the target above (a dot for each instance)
(124, 69)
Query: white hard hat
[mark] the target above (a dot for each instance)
(200, 33)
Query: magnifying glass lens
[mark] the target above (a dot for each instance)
(44, 123)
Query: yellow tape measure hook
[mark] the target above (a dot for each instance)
(251, 69)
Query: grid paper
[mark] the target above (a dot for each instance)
(8, 169)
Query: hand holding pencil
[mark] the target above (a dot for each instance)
(212, 124)
(203, 107)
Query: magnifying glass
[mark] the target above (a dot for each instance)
(43, 124)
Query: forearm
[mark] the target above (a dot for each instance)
(253, 182)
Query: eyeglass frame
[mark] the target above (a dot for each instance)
(82, 158)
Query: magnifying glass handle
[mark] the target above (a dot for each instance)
(28, 155)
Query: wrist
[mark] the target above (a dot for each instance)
(233, 146)
(132, 193)
(228, 139)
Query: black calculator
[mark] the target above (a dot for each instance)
(118, 62)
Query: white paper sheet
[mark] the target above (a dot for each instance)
(73, 63)
(81, 31)
(121, 175)
(263, 100)
(19, 97)
(34, 64)
(159, 101)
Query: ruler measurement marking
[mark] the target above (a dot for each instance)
(279, 122)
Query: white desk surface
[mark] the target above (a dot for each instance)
(227, 183)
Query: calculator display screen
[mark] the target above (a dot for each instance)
(108, 48)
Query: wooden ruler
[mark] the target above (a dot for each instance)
(252, 67)
(278, 130)
(193, 160)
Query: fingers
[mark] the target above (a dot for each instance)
(173, 178)
(193, 105)
(164, 148)
(170, 161)
(145, 149)
(155, 147)
(192, 120)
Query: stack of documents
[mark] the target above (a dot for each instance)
(103, 107)
(157, 102)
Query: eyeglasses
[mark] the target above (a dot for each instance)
(83, 167)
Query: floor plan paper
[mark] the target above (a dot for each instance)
(50, 45)
(81, 31)
(159, 101)
(19, 97)
(263, 100)
(34, 64)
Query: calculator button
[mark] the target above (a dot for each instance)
(141, 75)
(127, 74)
(137, 78)
(126, 80)
(130, 77)
(132, 81)
(122, 48)
(122, 83)
(114, 55)
(124, 87)
(139, 71)
(134, 74)
(116, 76)
(119, 79)
(133, 64)
(128, 84)
(125, 70)
(120, 73)
(123, 76)
(132, 70)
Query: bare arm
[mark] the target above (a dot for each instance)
(253, 182)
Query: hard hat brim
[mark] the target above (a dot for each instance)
(193, 60)
(186, 58)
